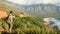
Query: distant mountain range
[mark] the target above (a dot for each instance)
(39, 10)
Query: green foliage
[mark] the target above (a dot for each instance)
(56, 28)
(26, 22)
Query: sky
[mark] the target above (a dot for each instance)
(28, 2)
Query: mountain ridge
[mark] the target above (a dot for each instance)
(44, 10)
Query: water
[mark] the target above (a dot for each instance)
(56, 22)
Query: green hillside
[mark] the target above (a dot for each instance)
(25, 25)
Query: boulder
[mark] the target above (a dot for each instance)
(3, 14)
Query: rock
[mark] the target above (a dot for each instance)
(3, 14)
(47, 21)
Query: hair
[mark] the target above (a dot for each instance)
(11, 11)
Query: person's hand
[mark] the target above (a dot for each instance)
(13, 16)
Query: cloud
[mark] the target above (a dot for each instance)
(51, 1)
(35, 1)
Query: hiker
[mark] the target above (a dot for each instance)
(9, 21)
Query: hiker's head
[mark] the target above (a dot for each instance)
(11, 11)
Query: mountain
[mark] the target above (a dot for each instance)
(58, 4)
(44, 10)
(39, 10)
